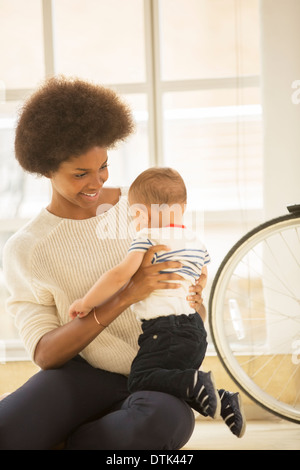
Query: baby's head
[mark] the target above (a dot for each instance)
(158, 197)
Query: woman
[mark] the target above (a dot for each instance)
(80, 396)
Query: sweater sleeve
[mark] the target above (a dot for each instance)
(29, 303)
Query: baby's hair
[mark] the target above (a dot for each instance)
(158, 186)
(65, 118)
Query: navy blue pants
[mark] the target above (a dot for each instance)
(89, 408)
(172, 349)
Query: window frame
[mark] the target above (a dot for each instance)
(154, 87)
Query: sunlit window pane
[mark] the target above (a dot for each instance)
(131, 157)
(215, 141)
(21, 43)
(22, 195)
(101, 40)
(209, 38)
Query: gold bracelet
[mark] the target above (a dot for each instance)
(103, 326)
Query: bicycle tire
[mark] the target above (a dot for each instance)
(230, 351)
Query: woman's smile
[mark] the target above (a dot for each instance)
(90, 196)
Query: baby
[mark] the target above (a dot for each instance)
(173, 342)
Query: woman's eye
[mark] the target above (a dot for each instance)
(80, 176)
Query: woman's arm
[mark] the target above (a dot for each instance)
(62, 343)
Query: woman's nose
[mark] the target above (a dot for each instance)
(96, 181)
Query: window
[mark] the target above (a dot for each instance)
(21, 43)
(211, 100)
(204, 39)
(100, 40)
(216, 145)
(190, 71)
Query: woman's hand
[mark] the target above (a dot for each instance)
(149, 277)
(195, 298)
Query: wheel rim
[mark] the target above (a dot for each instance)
(255, 317)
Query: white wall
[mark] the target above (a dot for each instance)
(280, 56)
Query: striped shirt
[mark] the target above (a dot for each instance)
(186, 248)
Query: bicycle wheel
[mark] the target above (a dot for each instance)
(254, 315)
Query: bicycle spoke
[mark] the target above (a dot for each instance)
(266, 285)
(289, 249)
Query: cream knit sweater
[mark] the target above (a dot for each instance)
(52, 261)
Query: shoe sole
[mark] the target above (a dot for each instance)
(218, 407)
(243, 430)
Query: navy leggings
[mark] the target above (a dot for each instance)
(88, 408)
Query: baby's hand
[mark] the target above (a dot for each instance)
(78, 309)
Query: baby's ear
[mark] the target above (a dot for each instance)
(139, 213)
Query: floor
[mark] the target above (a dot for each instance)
(260, 435)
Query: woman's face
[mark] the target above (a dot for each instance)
(77, 185)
